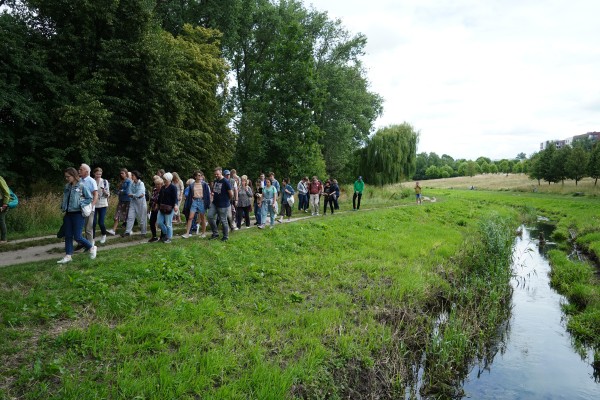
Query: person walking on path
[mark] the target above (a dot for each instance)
(90, 183)
(269, 203)
(197, 201)
(221, 202)
(5, 193)
(124, 201)
(359, 186)
(102, 204)
(303, 194)
(154, 203)
(329, 194)
(244, 203)
(75, 196)
(418, 193)
(286, 194)
(137, 208)
(167, 207)
(315, 188)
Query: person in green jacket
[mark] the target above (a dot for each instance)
(359, 186)
(5, 198)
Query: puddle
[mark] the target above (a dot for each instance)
(535, 357)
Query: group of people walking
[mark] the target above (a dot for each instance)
(227, 200)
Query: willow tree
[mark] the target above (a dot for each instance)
(390, 155)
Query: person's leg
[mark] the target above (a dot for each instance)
(358, 205)
(239, 213)
(272, 214)
(247, 216)
(212, 220)
(130, 219)
(331, 204)
(78, 222)
(160, 219)
(101, 220)
(169, 224)
(95, 222)
(223, 215)
(188, 224)
(354, 200)
(89, 227)
(3, 231)
(325, 205)
(143, 217)
(153, 216)
(69, 232)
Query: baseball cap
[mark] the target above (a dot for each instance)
(226, 172)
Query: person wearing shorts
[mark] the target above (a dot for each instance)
(418, 193)
(197, 201)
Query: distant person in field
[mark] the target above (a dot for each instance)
(329, 194)
(359, 186)
(124, 201)
(418, 193)
(5, 196)
(75, 196)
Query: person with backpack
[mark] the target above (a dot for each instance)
(5, 193)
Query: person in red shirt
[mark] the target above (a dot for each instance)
(315, 188)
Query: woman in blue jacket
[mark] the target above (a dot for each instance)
(75, 196)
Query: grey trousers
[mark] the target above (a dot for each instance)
(221, 213)
(88, 227)
(137, 209)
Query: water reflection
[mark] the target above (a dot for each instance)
(534, 357)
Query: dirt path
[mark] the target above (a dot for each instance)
(55, 251)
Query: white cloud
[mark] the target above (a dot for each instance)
(491, 78)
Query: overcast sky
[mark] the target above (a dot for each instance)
(481, 77)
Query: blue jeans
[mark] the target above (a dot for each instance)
(73, 225)
(258, 213)
(221, 213)
(99, 216)
(165, 223)
(268, 209)
(302, 201)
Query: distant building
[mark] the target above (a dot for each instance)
(592, 136)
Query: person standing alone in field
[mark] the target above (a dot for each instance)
(418, 193)
(359, 186)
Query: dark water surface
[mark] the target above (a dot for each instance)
(536, 358)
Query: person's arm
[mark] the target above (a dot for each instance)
(142, 193)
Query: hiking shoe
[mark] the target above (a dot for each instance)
(111, 232)
(152, 240)
(64, 260)
(93, 252)
(185, 236)
(103, 239)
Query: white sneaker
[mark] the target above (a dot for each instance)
(110, 231)
(271, 226)
(197, 229)
(64, 260)
(93, 252)
(203, 235)
(185, 236)
(103, 239)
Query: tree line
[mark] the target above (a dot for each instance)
(258, 84)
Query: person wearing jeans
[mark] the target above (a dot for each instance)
(75, 196)
(167, 197)
(269, 203)
(219, 207)
(102, 204)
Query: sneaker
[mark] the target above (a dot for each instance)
(280, 220)
(125, 234)
(213, 237)
(224, 239)
(152, 240)
(185, 236)
(235, 228)
(93, 252)
(271, 226)
(64, 260)
(167, 241)
(103, 239)
(203, 235)
(317, 214)
(110, 232)
(197, 229)
(261, 227)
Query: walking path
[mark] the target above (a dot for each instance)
(55, 251)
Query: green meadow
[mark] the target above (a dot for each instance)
(343, 306)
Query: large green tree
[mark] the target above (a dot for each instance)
(390, 155)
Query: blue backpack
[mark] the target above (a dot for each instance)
(13, 199)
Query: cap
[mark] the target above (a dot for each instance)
(226, 172)
(360, 177)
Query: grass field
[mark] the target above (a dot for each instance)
(341, 306)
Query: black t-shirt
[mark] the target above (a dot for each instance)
(221, 190)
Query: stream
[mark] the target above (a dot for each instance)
(535, 357)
